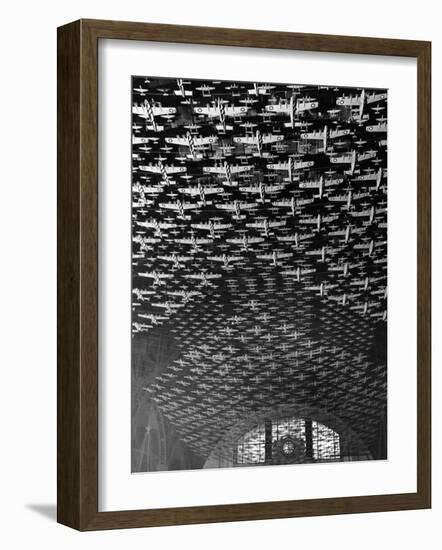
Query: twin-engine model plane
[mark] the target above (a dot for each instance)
(258, 140)
(324, 135)
(194, 143)
(292, 108)
(227, 170)
(221, 110)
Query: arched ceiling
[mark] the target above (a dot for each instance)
(231, 360)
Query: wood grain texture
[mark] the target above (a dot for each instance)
(252, 38)
(424, 273)
(68, 276)
(77, 222)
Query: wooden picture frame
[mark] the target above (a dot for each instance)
(78, 274)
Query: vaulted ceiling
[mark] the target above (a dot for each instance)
(259, 252)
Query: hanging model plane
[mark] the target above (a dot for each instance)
(324, 135)
(201, 191)
(258, 140)
(203, 277)
(212, 226)
(194, 143)
(275, 256)
(221, 111)
(291, 165)
(236, 207)
(292, 108)
(245, 241)
(262, 189)
(266, 225)
(179, 206)
(227, 170)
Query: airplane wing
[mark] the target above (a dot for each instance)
(159, 169)
(338, 133)
(313, 135)
(306, 105)
(160, 111)
(141, 110)
(226, 206)
(186, 92)
(213, 190)
(239, 169)
(139, 140)
(193, 191)
(152, 189)
(272, 138)
(177, 140)
(376, 97)
(214, 169)
(209, 111)
(167, 258)
(216, 258)
(227, 258)
(337, 160)
(184, 240)
(333, 182)
(144, 224)
(200, 225)
(174, 169)
(366, 156)
(150, 168)
(366, 177)
(169, 205)
(246, 140)
(348, 101)
(339, 198)
(382, 127)
(278, 108)
(278, 166)
(303, 164)
(234, 110)
(284, 202)
(204, 140)
(309, 184)
(274, 188)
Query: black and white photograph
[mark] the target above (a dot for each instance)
(259, 274)
(217, 275)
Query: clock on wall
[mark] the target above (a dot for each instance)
(292, 447)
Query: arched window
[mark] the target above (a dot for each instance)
(288, 440)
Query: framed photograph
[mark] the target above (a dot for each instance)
(243, 274)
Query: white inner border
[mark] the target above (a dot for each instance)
(118, 488)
